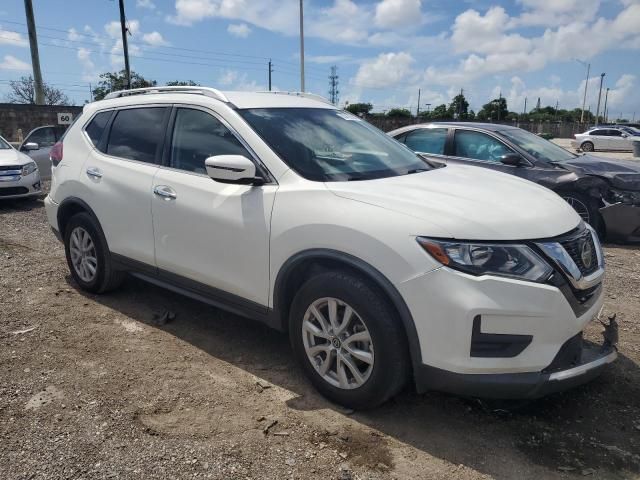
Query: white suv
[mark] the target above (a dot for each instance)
(381, 267)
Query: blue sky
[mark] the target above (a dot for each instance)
(385, 50)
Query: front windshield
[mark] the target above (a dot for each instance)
(537, 146)
(324, 144)
(3, 144)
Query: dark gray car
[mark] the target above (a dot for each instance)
(605, 192)
(38, 145)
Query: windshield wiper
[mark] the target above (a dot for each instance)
(417, 170)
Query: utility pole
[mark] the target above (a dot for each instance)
(270, 72)
(418, 109)
(599, 97)
(499, 104)
(125, 46)
(35, 56)
(90, 92)
(586, 84)
(301, 47)
(555, 117)
(524, 112)
(333, 85)
(460, 104)
(606, 113)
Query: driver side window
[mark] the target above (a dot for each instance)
(198, 135)
(478, 146)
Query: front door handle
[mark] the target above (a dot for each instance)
(165, 192)
(94, 172)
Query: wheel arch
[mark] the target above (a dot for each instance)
(69, 207)
(305, 264)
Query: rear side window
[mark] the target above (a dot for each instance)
(427, 140)
(96, 127)
(598, 132)
(137, 133)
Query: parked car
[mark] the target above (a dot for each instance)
(38, 143)
(19, 175)
(605, 192)
(599, 138)
(284, 209)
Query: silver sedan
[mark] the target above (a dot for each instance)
(604, 138)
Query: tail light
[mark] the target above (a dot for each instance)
(56, 154)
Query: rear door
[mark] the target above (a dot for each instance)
(481, 149)
(118, 175)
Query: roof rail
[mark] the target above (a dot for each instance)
(311, 96)
(207, 91)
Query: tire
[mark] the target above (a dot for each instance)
(587, 147)
(587, 209)
(387, 348)
(105, 277)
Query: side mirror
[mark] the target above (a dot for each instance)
(232, 169)
(512, 159)
(31, 146)
(625, 135)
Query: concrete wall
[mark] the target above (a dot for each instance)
(16, 119)
(560, 130)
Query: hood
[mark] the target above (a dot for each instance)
(470, 203)
(13, 157)
(623, 174)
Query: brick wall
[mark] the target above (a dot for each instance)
(15, 117)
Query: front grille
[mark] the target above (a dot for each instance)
(5, 192)
(10, 167)
(581, 248)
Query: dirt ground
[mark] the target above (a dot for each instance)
(93, 387)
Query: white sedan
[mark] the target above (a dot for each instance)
(604, 138)
(19, 174)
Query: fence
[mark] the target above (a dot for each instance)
(17, 120)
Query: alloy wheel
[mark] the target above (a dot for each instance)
(83, 254)
(580, 208)
(337, 343)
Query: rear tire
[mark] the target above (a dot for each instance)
(371, 342)
(88, 256)
(587, 147)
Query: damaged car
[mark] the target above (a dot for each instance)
(605, 192)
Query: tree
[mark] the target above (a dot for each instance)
(24, 91)
(441, 112)
(358, 108)
(496, 109)
(471, 116)
(398, 112)
(182, 83)
(459, 107)
(114, 81)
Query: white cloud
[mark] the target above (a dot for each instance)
(556, 12)
(148, 4)
(241, 30)
(89, 72)
(114, 31)
(398, 13)
(386, 70)
(154, 39)
(325, 59)
(73, 35)
(239, 82)
(12, 63)
(12, 38)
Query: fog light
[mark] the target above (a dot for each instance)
(36, 186)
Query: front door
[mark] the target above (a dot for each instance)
(210, 234)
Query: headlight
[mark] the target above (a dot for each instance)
(514, 261)
(624, 196)
(29, 168)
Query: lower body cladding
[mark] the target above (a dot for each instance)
(503, 338)
(622, 222)
(18, 186)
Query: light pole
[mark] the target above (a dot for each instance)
(606, 114)
(301, 47)
(586, 83)
(599, 97)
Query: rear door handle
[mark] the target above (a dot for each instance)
(94, 172)
(165, 192)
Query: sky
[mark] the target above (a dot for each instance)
(384, 50)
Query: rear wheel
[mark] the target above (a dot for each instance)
(88, 256)
(348, 340)
(587, 147)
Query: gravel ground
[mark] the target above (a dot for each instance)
(92, 387)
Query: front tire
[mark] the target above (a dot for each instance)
(88, 256)
(587, 209)
(348, 340)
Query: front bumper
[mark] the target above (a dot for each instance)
(17, 186)
(622, 222)
(585, 366)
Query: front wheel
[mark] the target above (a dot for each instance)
(348, 340)
(586, 208)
